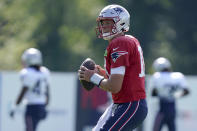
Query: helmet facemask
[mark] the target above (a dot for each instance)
(106, 28)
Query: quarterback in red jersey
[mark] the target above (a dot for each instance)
(124, 73)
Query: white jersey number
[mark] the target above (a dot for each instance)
(142, 74)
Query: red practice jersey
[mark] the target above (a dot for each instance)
(126, 51)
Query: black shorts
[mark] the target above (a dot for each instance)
(36, 112)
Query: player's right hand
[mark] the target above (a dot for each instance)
(12, 112)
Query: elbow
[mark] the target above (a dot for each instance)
(115, 89)
(114, 83)
(186, 92)
(154, 92)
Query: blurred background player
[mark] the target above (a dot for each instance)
(124, 67)
(167, 86)
(35, 88)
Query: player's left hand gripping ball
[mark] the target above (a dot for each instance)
(89, 64)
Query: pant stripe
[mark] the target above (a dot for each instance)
(130, 116)
(121, 116)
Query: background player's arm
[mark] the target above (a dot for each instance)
(21, 95)
(154, 92)
(18, 100)
(47, 95)
(185, 92)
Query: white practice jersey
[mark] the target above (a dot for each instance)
(36, 82)
(167, 83)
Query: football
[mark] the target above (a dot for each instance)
(89, 64)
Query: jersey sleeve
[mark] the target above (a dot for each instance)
(181, 80)
(154, 80)
(26, 79)
(47, 73)
(119, 54)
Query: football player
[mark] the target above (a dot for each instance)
(167, 86)
(35, 88)
(125, 71)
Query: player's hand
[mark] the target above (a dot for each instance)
(85, 74)
(100, 71)
(12, 112)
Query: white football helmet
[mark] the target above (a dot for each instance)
(32, 56)
(161, 63)
(120, 17)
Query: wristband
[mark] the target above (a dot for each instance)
(96, 79)
(100, 82)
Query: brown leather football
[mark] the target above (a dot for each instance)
(89, 64)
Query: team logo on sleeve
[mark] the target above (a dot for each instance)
(116, 55)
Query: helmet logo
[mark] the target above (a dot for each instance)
(102, 14)
(118, 10)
